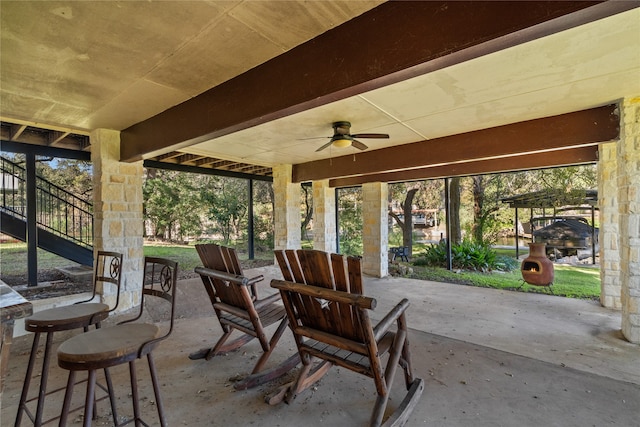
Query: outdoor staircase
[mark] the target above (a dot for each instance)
(64, 222)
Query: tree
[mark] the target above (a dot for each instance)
(307, 210)
(226, 204)
(491, 216)
(406, 222)
(263, 221)
(172, 204)
(350, 220)
(74, 176)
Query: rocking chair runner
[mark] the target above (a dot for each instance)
(334, 326)
(235, 302)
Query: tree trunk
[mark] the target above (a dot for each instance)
(478, 206)
(407, 229)
(308, 211)
(454, 214)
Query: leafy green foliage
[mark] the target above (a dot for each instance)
(263, 226)
(350, 220)
(182, 206)
(467, 255)
(172, 204)
(226, 201)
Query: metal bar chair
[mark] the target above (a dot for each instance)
(107, 271)
(123, 343)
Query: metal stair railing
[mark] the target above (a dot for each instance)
(57, 210)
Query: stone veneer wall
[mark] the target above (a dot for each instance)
(118, 220)
(609, 234)
(324, 216)
(629, 221)
(287, 209)
(375, 233)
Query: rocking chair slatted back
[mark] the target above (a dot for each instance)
(317, 315)
(222, 258)
(318, 268)
(289, 265)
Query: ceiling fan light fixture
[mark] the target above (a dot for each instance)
(342, 142)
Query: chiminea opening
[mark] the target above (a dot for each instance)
(531, 266)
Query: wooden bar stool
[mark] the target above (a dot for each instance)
(123, 343)
(82, 314)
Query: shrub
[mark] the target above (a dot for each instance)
(467, 255)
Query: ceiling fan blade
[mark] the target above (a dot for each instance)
(371, 135)
(324, 146)
(359, 145)
(313, 137)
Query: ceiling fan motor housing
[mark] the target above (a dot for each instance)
(341, 128)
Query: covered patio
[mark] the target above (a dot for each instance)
(461, 87)
(488, 358)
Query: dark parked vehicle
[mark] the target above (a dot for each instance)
(565, 236)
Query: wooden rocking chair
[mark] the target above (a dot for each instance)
(334, 326)
(237, 307)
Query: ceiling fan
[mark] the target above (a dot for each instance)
(342, 138)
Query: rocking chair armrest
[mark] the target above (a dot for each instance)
(266, 301)
(254, 280)
(383, 326)
(222, 275)
(356, 300)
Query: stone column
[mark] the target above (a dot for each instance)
(375, 233)
(609, 233)
(629, 220)
(287, 209)
(118, 221)
(324, 216)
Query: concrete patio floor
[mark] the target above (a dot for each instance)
(488, 358)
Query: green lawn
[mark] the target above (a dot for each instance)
(186, 256)
(570, 281)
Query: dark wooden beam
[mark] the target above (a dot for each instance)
(571, 156)
(204, 171)
(582, 128)
(392, 42)
(43, 150)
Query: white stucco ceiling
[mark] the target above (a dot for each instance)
(87, 65)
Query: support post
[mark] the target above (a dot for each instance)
(447, 203)
(250, 243)
(32, 229)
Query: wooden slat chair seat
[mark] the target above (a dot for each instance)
(123, 343)
(330, 322)
(235, 302)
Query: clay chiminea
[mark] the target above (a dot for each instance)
(537, 269)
